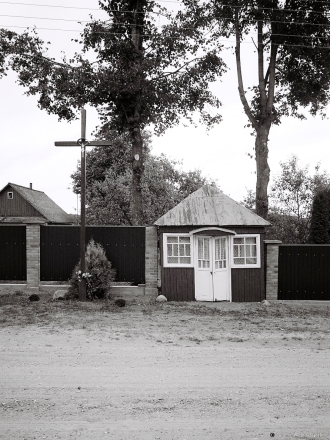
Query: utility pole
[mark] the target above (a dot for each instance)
(83, 143)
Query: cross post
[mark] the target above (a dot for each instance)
(83, 143)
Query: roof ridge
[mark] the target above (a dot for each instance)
(25, 187)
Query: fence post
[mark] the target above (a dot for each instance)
(272, 248)
(151, 261)
(33, 257)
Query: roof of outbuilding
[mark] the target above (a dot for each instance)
(42, 203)
(209, 206)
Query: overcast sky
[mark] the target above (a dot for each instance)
(28, 154)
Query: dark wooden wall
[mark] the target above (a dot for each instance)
(303, 272)
(12, 253)
(16, 207)
(124, 247)
(178, 284)
(248, 285)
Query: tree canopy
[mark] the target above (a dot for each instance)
(291, 39)
(108, 175)
(140, 75)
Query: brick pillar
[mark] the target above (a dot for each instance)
(33, 257)
(272, 247)
(151, 261)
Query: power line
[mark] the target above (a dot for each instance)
(166, 1)
(44, 18)
(49, 6)
(184, 28)
(152, 35)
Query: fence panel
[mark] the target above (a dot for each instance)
(303, 272)
(12, 253)
(124, 246)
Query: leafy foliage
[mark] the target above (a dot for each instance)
(320, 221)
(99, 270)
(109, 199)
(292, 39)
(291, 198)
(141, 74)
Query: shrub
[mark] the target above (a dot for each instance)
(320, 221)
(99, 273)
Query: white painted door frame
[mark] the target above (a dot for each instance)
(212, 268)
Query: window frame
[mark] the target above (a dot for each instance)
(177, 234)
(256, 265)
(10, 195)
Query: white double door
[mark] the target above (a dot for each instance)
(211, 269)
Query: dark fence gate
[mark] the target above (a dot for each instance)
(304, 272)
(12, 253)
(124, 246)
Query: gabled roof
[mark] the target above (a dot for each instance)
(42, 203)
(209, 206)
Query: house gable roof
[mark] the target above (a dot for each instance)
(42, 203)
(209, 206)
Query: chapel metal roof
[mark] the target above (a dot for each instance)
(42, 203)
(209, 206)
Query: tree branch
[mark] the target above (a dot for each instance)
(271, 87)
(262, 88)
(241, 92)
(175, 71)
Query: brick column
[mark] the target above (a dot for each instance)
(33, 257)
(272, 247)
(151, 253)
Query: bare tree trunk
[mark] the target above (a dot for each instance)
(263, 170)
(262, 120)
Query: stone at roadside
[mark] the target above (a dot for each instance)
(161, 298)
(34, 297)
(265, 302)
(120, 302)
(60, 295)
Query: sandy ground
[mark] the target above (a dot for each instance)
(172, 371)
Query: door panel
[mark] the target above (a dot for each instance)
(220, 272)
(211, 269)
(203, 278)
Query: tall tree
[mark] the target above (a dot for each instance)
(292, 39)
(109, 199)
(141, 75)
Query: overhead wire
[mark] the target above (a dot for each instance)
(183, 28)
(164, 1)
(150, 35)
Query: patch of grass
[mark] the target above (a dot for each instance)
(236, 339)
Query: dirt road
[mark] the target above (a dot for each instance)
(217, 371)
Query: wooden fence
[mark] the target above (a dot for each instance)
(13, 253)
(124, 246)
(32, 255)
(304, 272)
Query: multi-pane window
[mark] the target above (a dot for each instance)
(178, 250)
(220, 253)
(245, 251)
(204, 252)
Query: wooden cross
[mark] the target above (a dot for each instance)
(83, 143)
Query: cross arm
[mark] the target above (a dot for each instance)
(99, 144)
(88, 144)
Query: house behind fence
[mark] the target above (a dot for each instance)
(208, 248)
